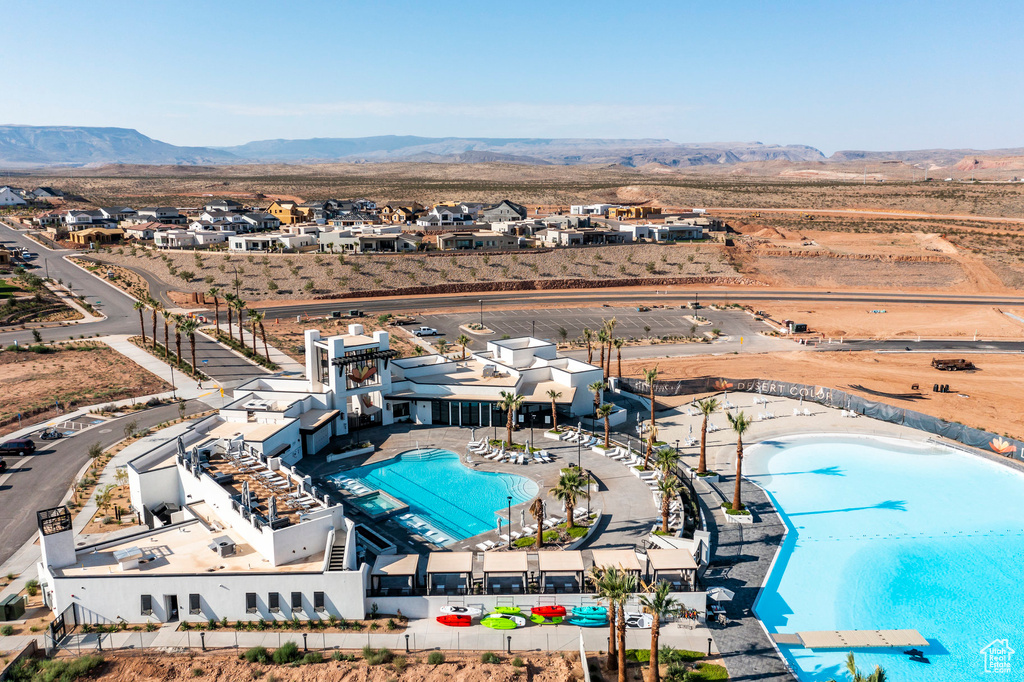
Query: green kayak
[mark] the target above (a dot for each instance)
(508, 610)
(503, 622)
(550, 620)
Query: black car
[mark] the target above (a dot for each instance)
(18, 446)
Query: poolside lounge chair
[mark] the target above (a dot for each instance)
(807, 412)
(521, 459)
(545, 456)
(796, 411)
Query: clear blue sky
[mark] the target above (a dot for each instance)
(835, 75)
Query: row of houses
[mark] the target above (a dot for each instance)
(16, 196)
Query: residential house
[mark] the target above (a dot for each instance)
(592, 209)
(163, 214)
(662, 233)
(44, 193)
(118, 213)
(633, 212)
(217, 215)
(12, 196)
(51, 219)
(260, 221)
(174, 239)
(399, 215)
(522, 228)
(502, 212)
(91, 236)
(567, 221)
(355, 219)
(387, 240)
(5, 258)
(143, 230)
(78, 220)
(225, 205)
(286, 211)
(582, 236)
(467, 241)
(445, 216)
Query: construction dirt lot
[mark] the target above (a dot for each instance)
(288, 336)
(30, 383)
(988, 398)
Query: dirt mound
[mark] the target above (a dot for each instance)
(768, 233)
(969, 163)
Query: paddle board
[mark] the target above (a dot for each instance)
(460, 610)
(639, 621)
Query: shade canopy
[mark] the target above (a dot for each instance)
(560, 562)
(450, 562)
(396, 564)
(505, 562)
(671, 560)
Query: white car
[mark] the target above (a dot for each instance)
(425, 331)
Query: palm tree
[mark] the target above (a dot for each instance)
(154, 307)
(257, 317)
(253, 326)
(229, 299)
(659, 603)
(604, 412)
(140, 306)
(178, 319)
(857, 676)
(739, 423)
(168, 316)
(442, 346)
(596, 388)
(214, 291)
(537, 511)
(666, 459)
(239, 305)
(188, 328)
(604, 340)
(588, 338)
(610, 326)
(668, 487)
(628, 587)
(463, 341)
(707, 408)
(650, 376)
(607, 584)
(570, 488)
(619, 342)
(510, 402)
(554, 395)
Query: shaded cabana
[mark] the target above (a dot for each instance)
(623, 559)
(505, 572)
(561, 571)
(394, 574)
(449, 572)
(675, 566)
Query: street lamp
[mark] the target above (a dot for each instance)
(510, 521)
(579, 452)
(481, 312)
(589, 495)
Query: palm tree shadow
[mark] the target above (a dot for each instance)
(891, 505)
(824, 471)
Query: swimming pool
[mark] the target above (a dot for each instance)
(451, 498)
(885, 534)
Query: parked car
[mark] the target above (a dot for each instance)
(18, 446)
(425, 331)
(51, 434)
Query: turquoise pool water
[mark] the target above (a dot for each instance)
(454, 499)
(892, 535)
(377, 504)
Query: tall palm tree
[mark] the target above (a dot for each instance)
(739, 423)
(257, 317)
(140, 306)
(607, 584)
(603, 339)
(178, 319)
(537, 511)
(659, 603)
(629, 585)
(254, 324)
(878, 675)
(619, 342)
(668, 487)
(554, 395)
(707, 407)
(154, 307)
(588, 338)
(570, 488)
(188, 328)
(239, 305)
(168, 316)
(604, 412)
(596, 388)
(229, 299)
(609, 325)
(215, 291)
(650, 376)
(463, 341)
(666, 459)
(510, 402)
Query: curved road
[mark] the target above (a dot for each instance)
(870, 212)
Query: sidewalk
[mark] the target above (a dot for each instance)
(185, 386)
(279, 358)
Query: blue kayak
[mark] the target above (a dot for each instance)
(590, 611)
(588, 622)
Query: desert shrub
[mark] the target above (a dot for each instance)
(257, 654)
(7, 630)
(435, 658)
(197, 672)
(517, 662)
(63, 669)
(377, 656)
(286, 653)
(399, 662)
(32, 587)
(338, 656)
(313, 657)
(489, 657)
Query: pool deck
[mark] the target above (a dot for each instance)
(626, 503)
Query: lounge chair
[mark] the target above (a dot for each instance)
(545, 456)
(796, 412)
(807, 412)
(521, 459)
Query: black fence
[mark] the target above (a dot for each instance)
(831, 397)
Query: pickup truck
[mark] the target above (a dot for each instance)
(425, 331)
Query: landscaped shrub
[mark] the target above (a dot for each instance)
(257, 654)
(286, 653)
(338, 656)
(7, 630)
(62, 669)
(490, 657)
(313, 657)
(399, 662)
(377, 656)
(197, 672)
(435, 658)
(517, 662)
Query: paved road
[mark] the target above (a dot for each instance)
(870, 212)
(41, 480)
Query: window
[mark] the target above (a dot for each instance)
(318, 602)
(147, 605)
(250, 602)
(274, 602)
(193, 604)
(296, 601)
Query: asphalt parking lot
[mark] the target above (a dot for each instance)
(546, 324)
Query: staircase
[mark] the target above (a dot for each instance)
(336, 562)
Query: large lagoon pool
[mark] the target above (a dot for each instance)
(886, 534)
(444, 497)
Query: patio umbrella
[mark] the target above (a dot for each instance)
(245, 494)
(472, 434)
(499, 525)
(522, 517)
(181, 448)
(720, 594)
(273, 508)
(801, 403)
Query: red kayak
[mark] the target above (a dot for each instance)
(455, 621)
(548, 611)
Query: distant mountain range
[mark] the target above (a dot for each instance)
(34, 146)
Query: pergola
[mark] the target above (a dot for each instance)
(449, 572)
(561, 571)
(623, 559)
(394, 574)
(505, 572)
(676, 566)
